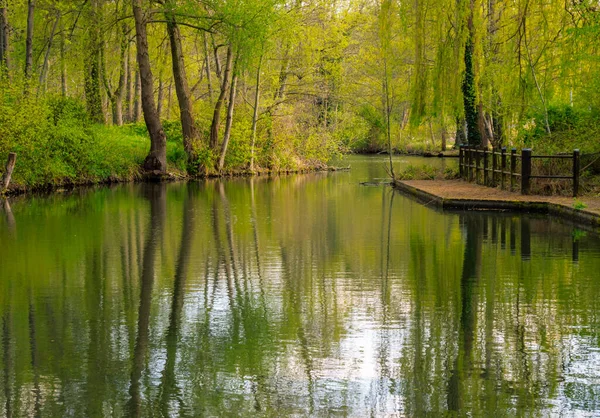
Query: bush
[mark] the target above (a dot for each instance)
(427, 172)
(56, 143)
(570, 128)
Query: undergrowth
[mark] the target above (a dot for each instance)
(427, 172)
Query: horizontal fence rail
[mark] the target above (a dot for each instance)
(494, 168)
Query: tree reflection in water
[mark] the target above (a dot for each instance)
(300, 295)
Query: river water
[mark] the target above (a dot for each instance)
(301, 295)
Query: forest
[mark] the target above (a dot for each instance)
(103, 90)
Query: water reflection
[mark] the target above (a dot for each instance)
(156, 194)
(303, 295)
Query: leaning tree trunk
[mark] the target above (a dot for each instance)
(229, 122)
(255, 112)
(214, 127)
(157, 157)
(188, 128)
(44, 71)
(208, 72)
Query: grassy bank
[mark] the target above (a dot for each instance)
(57, 146)
(105, 154)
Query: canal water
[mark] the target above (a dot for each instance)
(300, 295)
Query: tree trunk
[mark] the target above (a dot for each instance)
(130, 88)
(188, 128)
(461, 132)
(468, 86)
(169, 99)
(388, 113)
(137, 103)
(116, 97)
(255, 113)
(444, 137)
(157, 157)
(124, 70)
(10, 166)
(92, 66)
(4, 41)
(47, 55)
(485, 137)
(63, 69)
(29, 39)
(214, 127)
(160, 96)
(117, 110)
(283, 74)
(208, 72)
(432, 135)
(229, 121)
(217, 60)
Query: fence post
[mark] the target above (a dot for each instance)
(576, 168)
(486, 175)
(494, 168)
(470, 162)
(525, 171)
(477, 165)
(513, 168)
(460, 160)
(503, 168)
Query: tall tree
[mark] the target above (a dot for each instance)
(156, 160)
(216, 121)
(92, 63)
(468, 85)
(44, 70)
(29, 39)
(188, 127)
(229, 120)
(4, 35)
(117, 95)
(385, 39)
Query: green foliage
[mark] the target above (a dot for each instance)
(579, 205)
(172, 129)
(418, 172)
(205, 158)
(67, 110)
(469, 97)
(56, 144)
(427, 172)
(332, 79)
(578, 234)
(451, 173)
(375, 138)
(570, 128)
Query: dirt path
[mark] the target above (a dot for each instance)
(453, 192)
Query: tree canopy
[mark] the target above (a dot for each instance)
(269, 83)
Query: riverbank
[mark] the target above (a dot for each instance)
(458, 194)
(15, 190)
(102, 155)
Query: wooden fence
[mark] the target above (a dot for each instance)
(498, 167)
